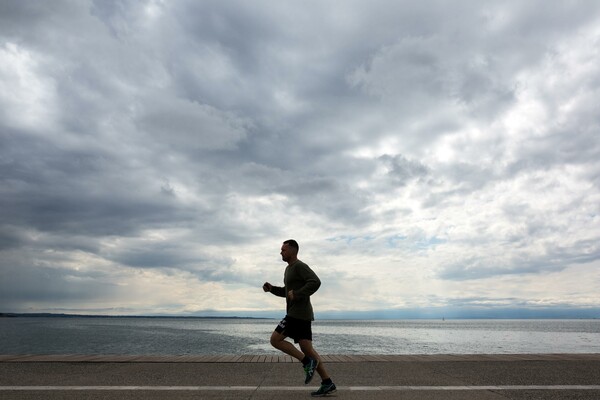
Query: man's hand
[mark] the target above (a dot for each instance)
(267, 287)
(291, 295)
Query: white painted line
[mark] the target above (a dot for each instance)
(488, 387)
(296, 388)
(127, 388)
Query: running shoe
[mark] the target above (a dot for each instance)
(324, 390)
(309, 369)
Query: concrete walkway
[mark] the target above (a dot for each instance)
(523, 376)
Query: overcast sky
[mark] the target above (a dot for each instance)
(425, 154)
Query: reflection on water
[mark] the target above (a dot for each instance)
(245, 336)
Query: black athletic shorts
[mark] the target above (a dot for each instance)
(297, 329)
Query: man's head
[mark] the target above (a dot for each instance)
(289, 251)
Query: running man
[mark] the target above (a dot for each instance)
(300, 283)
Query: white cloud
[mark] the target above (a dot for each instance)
(154, 155)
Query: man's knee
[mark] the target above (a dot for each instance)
(276, 339)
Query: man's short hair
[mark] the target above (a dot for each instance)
(292, 243)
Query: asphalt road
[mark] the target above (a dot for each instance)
(480, 379)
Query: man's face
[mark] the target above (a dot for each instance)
(286, 252)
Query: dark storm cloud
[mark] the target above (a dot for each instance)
(551, 260)
(402, 170)
(171, 257)
(330, 199)
(23, 284)
(76, 192)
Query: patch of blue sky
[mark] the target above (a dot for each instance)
(429, 242)
(396, 241)
(349, 239)
(393, 241)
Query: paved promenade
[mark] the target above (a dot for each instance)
(559, 376)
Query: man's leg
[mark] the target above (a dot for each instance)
(278, 341)
(308, 349)
(327, 385)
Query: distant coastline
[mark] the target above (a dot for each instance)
(53, 315)
(426, 313)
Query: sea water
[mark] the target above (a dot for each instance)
(188, 336)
